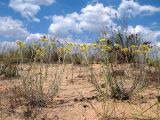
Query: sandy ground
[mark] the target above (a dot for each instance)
(77, 98)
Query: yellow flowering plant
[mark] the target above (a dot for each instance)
(145, 48)
(20, 44)
(68, 50)
(84, 47)
(61, 50)
(106, 48)
(102, 40)
(124, 50)
(137, 52)
(69, 44)
(134, 46)
(95, 45)
(40, 53)
(117, 45)
(44, 39)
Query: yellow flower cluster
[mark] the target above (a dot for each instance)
(134, 46)
(70, 44)
(106, 48)
(20, 44)
(62, 50)
(40, 52)
(135, 49)
(116, 45)
(145, 48)
(102, 40)
(44, 39)
(68, 50)
(84, 47)
(124, 50)
(136, 52)
(95, 45)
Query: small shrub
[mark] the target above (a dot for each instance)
(32, 90)
(116, 73)
(77, 59)
(2, 69)
(9, 71)
(120, 93)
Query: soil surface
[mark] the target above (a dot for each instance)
(78, 99)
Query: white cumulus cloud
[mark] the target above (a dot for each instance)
(131, 8)
(91, 18)
(12, 29)
(34, 37)
(29, 8)
(146, 33)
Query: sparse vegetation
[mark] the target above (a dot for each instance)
(119, 79)
(37, 83)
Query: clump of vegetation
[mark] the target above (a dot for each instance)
(10, 71)
(8, 66)
(33, 83)
(30, 91)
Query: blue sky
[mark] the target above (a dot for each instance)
(74, 19)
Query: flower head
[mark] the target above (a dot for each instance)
(117, 45)
(136, 52)
(62, 50)
(84, 47)
(145, 47)
(68, 50)
(40, 53)
(20, 44)
(124, 50)
(44, 39)
(69, 44)
(133, 46)
(106, 48)
(102, 40)
(95, 45)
